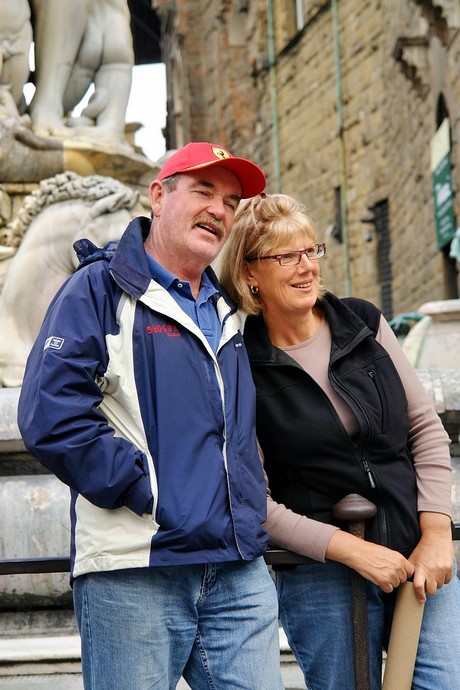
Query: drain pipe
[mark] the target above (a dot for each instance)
(343, 158)
(273, 95)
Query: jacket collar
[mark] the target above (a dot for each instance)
(347, 330)
(129, 265)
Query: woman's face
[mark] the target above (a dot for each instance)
(286, 290)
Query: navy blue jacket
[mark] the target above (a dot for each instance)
(125, 401)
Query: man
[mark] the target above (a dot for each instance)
(138, 395)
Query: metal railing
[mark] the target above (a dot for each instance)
(61, 564)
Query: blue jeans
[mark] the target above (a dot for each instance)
(315, 604)
(215, 624)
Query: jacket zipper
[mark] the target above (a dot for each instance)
(220, 382)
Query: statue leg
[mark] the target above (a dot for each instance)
(108, 49)
(60, 27)
(15, 42)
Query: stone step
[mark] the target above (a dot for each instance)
(52, 662)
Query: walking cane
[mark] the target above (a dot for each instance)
(355, 510)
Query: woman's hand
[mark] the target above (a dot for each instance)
(384, 567)
(433, 556)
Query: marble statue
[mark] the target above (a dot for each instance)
(15, 42)
(78, 43)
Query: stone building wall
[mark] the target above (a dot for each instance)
(342, 101)
(209, 63)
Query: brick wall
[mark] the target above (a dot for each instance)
(396, 57)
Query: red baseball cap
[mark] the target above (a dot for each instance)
(201, 154)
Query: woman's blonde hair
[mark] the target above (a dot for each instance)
(262, 224)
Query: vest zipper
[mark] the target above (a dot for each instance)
(364, 460)
(368, 472)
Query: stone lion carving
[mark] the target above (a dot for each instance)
(63, 209)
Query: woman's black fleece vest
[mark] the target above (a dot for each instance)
(310, 459)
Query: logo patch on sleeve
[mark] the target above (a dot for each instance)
(53, 343)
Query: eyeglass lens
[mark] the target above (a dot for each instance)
(292, 258)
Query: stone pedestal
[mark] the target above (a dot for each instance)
(34, 515)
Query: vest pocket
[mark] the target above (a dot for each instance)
(382, 398)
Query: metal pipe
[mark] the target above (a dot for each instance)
(343, 157)
(273, 95)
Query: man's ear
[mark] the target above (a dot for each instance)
(156, 196)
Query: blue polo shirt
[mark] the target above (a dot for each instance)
(201, 310)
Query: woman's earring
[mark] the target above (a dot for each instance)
(254, 289)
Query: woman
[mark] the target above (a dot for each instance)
(340, 411)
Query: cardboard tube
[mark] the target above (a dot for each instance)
(403, 644)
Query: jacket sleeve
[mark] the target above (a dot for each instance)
(58, 412)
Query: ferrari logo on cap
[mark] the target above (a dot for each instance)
(220, 153)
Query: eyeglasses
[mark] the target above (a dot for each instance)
(316, 251)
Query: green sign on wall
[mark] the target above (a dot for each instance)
(442, 185)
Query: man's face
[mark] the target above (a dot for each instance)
(193, 221)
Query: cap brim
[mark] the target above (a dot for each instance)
(250, 177)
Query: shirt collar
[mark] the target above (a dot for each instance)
(168, 280)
